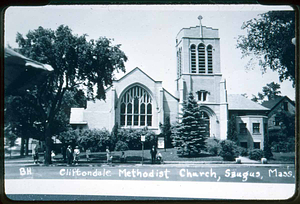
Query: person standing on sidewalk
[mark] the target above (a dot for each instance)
(108, 155)
(153, 152)
(87, 154)
(76, 154)
(36, 154)
(69, 155)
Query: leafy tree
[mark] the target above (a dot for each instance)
(254, 98)
(22, 120)
(271, 91)
(10, 137)
(78, 65)
(286, 134)
(269, 40)
(232, 131)
(190, 132)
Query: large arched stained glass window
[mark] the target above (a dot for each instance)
(136, 108)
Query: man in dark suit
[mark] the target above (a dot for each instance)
(153, 152)
(69, 154)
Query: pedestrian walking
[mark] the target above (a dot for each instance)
(153, 152)
(69, 155)
(108, 156)
(76, 154)
(87, 154)
(35, 154)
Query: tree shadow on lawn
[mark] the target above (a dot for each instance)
(203, 154)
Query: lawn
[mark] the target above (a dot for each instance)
(282, 158)
(168, 155)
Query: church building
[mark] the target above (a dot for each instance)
(137, 100)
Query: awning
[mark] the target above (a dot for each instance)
(21, 73)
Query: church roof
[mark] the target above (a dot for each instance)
(239, 102)
(136, 69)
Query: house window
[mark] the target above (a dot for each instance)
(202, 95)
(244, 144)
(256, 128)
(285, 106)
(193, 59)
(256, 145)
(243, 128)
(277, 121)
(209, 59)
(201, 58)
(136, 108)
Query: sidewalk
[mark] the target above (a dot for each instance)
(28, 161)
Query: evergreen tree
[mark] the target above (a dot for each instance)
(166, 132)
(189, 135)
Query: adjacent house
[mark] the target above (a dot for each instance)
(281, 109)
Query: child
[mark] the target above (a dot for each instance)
(76, 154)
(123, 157)
(159, 157)
(52, 155)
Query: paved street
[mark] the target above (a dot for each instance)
(166, 172)
(184, 180)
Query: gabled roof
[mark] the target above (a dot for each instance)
(128, 74)
(171, 94)
(239, 102)
(136, 69)
(273, 103)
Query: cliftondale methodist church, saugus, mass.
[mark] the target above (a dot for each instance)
(137, 100)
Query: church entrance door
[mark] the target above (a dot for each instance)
(205, 118)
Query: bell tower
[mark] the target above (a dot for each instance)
(199, 72)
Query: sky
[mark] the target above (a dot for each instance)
(147, 35)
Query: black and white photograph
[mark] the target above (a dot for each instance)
(149, 102)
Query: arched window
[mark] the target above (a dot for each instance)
(136, 108)
(209, 59)
(193, 59)
(201, 58)
(179, 63)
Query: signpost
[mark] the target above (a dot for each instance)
(143, 139)
(161, 143)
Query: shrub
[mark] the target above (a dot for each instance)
(121, 146)
(242, 151)
(132, 137)
(256, 154)
(103, 136)
(213, 146)
(228, 150)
